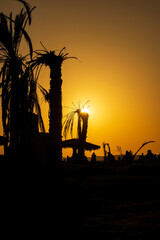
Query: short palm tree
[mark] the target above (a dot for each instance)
(82, 126)
(17, 83)
(54, 62)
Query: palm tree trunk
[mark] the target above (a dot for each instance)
(83, 136)
(14, 116)
(85, 126)
(18, 112)
(79, 126)
(55, 114)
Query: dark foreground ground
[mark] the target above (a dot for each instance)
(119, 201)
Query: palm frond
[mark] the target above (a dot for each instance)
(74, 105)
(38, 70)
(28, 40)
(44, 92)
(44, 47)
(5, 35)
(64, 56)
(69, 107)
(18, 25)
(19, 31)
(85, 104)
(28, 9)
(61, 51)
(68, 124)
(40, 119)
(11, 27)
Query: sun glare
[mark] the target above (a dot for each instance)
(85, 110)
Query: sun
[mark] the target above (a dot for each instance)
(85, 110)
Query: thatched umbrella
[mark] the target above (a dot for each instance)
(74, 143)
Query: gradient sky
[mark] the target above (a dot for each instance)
(117, 43)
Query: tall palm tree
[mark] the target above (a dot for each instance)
(16, 77)
(54, 62)
(82, 126)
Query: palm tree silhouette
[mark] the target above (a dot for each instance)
(54, 62)
(82, 126)
(17, 83)
(69, 119)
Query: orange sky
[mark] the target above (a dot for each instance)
(118, 45)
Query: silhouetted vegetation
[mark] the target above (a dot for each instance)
(17, 82)
(82, 127)
(54, 62)
(117, 199)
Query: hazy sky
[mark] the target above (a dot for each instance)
(117, 43)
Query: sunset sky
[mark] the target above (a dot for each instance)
(117, 43)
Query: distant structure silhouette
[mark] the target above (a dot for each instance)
(145, 143)
(150, 156)
(128, 157)
(108, 156)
